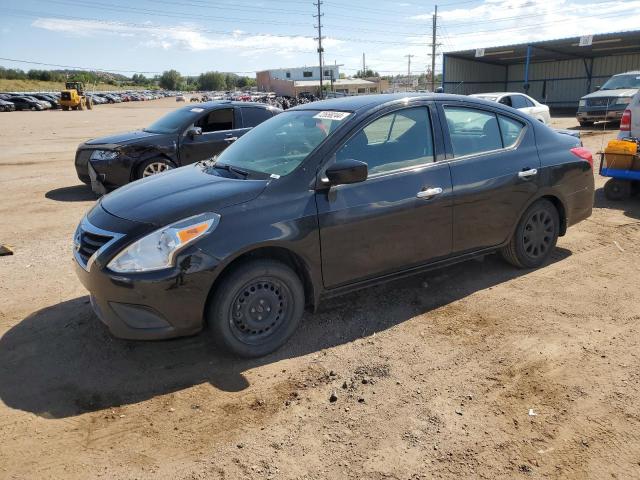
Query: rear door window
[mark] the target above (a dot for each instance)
(518, 101)
(252, 116)
(472, 131)
(216, 121)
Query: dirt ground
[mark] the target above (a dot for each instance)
(476, 371)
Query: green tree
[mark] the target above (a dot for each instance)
(170, 79)
(212, 81)
(367, 73)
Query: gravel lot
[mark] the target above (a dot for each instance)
(435, 375)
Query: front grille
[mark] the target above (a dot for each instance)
(600, 102)
(89, 243)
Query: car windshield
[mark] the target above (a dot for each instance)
(279, 145)
(622, 81)
(172, 122)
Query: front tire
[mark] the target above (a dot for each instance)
(153, 167)
(256, 308)
(586, 124)
(535, 237)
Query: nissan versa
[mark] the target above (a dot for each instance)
(322, 199)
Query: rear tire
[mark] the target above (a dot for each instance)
(89, 104)
(256, 308)
(535, 237)
(617, 190)
(65, 108)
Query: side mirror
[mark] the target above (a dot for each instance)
(347, 171)
(192, 132)
(598, 87)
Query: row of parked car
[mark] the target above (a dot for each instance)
(38, 101)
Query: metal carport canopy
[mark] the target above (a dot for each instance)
(557, 72)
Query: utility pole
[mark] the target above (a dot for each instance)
(409, 69)
(320, 49)
(364, 65)
(433, 46)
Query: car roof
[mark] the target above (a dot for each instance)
(496, 94)
(632, 72)
(363, 102)
(226, 103)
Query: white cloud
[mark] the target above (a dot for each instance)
(185, 37)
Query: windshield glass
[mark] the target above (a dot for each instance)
(279, 145)
(172, 122)
(622, 81)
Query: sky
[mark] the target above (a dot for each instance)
(243, 36)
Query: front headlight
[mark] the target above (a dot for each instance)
(104, 155)
(623, 101)
(582, 103)
(158, 249)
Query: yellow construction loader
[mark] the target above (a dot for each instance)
(74, 98)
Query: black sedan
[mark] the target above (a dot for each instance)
(7, 106)
(323, 199)
(184, 136)
(27, 103)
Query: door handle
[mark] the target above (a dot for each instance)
(230, 139)
(429, 192)
(531, 172)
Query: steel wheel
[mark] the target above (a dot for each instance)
(258, 310)
(155, 168)
(256, 307)
(538, 234)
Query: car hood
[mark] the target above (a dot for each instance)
(124, 138)
(620, 92)
(177, 194)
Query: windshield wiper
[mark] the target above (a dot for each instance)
(229, 168)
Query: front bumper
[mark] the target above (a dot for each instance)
(599, 115)
(153, 305)
(103, 175)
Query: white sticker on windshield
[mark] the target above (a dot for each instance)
(275, 176)
(197, 110)
(329, 115)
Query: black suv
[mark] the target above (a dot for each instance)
(184, 136)
(323, 199)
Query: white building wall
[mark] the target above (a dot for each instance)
(298, 73)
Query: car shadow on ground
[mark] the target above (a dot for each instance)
(60, 361)
(630, 207)
(77, 193)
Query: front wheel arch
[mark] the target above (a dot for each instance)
(281, 254)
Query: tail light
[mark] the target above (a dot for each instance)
(625, 121)
(584, 154)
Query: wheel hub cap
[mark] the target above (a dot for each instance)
(538, 234)
(258, 310)
(154, 168)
